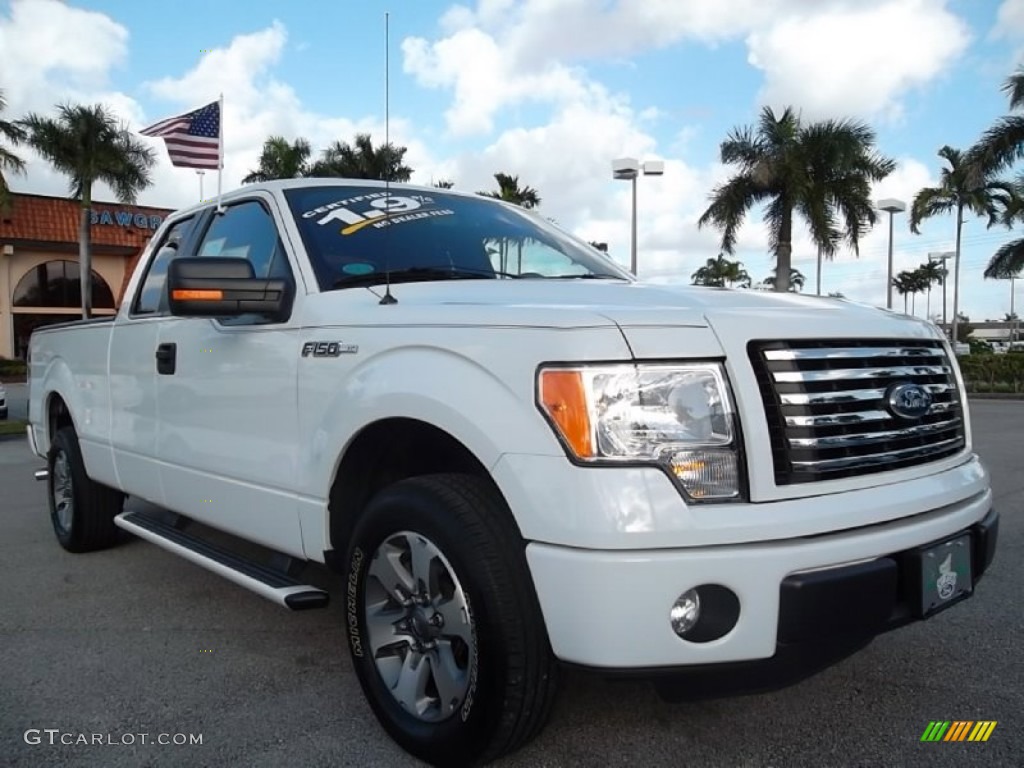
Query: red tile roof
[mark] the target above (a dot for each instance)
(40, 218)
(43, 219)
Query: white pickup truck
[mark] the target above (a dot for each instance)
(513, 455)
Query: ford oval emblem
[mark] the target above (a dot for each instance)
(908, 401)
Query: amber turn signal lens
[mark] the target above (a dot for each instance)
(564, 399)
(182, 295)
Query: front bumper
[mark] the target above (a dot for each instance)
(610, 610)
(824, 618)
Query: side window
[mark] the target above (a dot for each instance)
(247, 231)
(151, 297)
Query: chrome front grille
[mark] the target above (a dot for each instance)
(827, 412)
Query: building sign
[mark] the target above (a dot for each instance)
(126, 219)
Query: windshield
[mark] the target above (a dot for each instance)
(353, 235)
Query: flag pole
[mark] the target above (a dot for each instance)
(220, 150)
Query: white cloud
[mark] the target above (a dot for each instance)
(58, 50)
(81, 50)
(1010, 20)
(815, 55)
(905, 181)
(490, 83)
(63, 55)
(825, 63)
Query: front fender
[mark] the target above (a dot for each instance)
(489, 415)
(478, 388)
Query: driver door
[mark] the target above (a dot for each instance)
(228, 432)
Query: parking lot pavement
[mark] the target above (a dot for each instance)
(134, 640)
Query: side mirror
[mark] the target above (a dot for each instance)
(224, 287)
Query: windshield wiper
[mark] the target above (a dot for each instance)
(586, 276)
(412, 274)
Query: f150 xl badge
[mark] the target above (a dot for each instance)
(328, 349)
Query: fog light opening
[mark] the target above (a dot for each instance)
(705, 613)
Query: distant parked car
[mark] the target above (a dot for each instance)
(3, 402)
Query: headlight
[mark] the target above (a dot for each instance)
(677, 416)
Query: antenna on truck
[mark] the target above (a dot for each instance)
(387, 298)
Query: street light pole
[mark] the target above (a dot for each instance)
(628, 168)
(632, 239)
(892, 207)
(1013, 315)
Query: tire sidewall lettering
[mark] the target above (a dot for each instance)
(352, 602)
(474, 667)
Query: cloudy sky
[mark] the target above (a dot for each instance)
(552, 91)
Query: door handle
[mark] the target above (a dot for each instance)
(166, 356)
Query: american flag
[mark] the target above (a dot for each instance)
(193, 140)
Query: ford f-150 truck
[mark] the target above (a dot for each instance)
(513, 455)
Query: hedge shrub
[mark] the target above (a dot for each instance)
(993, 373)
(12, 367)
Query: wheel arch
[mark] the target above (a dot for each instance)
(58, 415)
(383, 453)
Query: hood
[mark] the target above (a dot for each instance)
(588, 303)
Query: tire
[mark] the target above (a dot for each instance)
(501, 675)
(82, 511)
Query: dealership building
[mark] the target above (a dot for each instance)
(39, 275)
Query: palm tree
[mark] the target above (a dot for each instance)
(822, 171)
(88, 145)
(1008, 260)
(957, 192)
(904, 285)
(917, 282)
(722, 272)
(1002, 144)
(510, 191)
(8, 160)
(794, 284)
(443, 184)
(361, 160)
(281, 159)
(932, 273)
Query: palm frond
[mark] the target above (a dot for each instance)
(929, 202)
(1000, 146)
(729, 205)
(1007, 262)
(1014, 89)
(741, 147)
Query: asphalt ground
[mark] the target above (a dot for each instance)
(135, 641)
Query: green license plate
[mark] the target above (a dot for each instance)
(945, 574)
